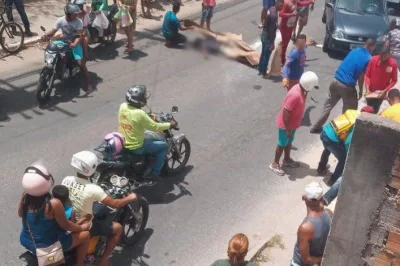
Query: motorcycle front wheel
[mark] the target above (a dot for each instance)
(177, 160)
(44, 87)
(134, 221)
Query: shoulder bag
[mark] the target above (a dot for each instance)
(50, 255)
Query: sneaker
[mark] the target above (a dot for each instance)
(315, 130)
(323, 171)
(291, 163)
(276, 168)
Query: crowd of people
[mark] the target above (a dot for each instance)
(377, 73)
(49, 218)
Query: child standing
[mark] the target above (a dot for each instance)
(207, 12)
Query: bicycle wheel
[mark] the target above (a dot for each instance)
(12, 37)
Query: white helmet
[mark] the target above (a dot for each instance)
(37, 181)
(85, 162)
(309, 81)
(78, 2)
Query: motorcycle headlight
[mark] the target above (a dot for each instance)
(337, 34)
(49, 58)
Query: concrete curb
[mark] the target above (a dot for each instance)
(26, 45)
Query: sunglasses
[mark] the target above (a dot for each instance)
(32, 169)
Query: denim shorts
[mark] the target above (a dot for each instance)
(283, 140)
(207, 12)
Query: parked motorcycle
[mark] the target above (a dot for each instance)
(133, 218)
(60, 64)
(137, 167)
(109, 33)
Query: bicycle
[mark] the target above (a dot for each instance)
(10, 30)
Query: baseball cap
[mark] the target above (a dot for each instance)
(367, 109)
(313, 191)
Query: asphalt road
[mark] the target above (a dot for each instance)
(227, 112)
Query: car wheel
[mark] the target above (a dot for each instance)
(325, 46)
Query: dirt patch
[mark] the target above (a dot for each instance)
(263, 254)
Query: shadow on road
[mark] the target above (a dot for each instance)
(301, 172)
(306, 121)
(163, 193)
(72, 89)
(105, 52)
(133, 255)
(19, 98)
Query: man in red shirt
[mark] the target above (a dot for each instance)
(289, 119)
(380, 77)
(288, 22)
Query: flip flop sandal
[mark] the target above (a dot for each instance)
(127, 51)
(277, 169)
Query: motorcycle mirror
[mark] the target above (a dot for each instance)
(174, 110)
(42, 28)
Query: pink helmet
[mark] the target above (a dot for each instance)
(115, 141)
(37, 181)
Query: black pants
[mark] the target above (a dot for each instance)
(177, 39)
(375, 103)
(19, 5)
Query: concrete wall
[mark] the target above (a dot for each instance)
(368, 169)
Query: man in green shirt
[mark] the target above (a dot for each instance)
(132, 123)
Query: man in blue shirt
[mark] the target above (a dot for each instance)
(171, 27)
(350, 72)
(295, 61)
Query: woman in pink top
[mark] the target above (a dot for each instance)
(289, 120)
(207, 12)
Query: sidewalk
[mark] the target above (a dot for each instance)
(46, 12)
(281, 238)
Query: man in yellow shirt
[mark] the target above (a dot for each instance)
(132, 123)
(393, 112)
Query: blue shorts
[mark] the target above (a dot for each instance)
(207, 12)
(283, 141)
(77, 52)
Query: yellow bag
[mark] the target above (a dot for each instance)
(343, 123)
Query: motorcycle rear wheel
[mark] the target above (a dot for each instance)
(135, 223)
(44, 87)
(174, 160)
(109, 39)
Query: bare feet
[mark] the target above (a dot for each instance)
(89, 89)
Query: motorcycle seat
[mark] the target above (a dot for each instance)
(58, 46)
